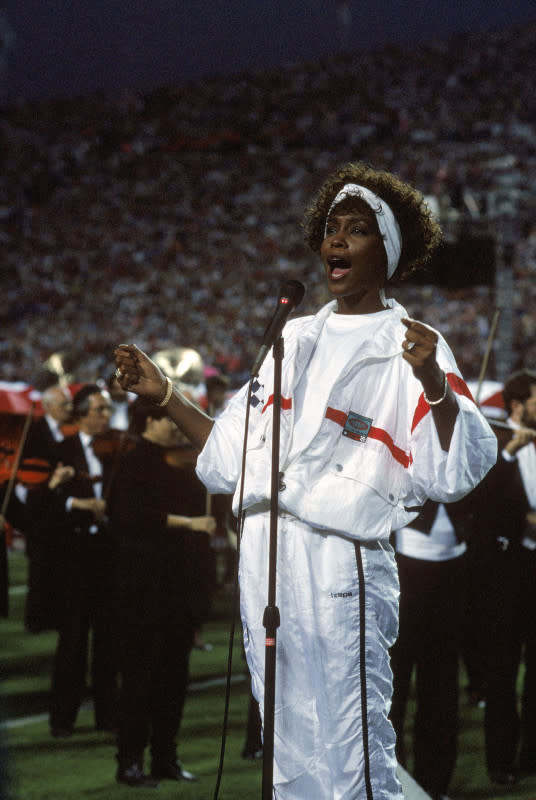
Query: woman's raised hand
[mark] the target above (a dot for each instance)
(137, 373)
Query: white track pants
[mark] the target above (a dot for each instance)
(338, 602)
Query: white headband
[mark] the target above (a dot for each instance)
(389, 229)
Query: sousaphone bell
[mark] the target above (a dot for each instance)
(183, 365)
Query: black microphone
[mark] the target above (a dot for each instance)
(291, 295)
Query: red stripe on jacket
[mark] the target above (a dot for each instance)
(286, 403)
(457, 385)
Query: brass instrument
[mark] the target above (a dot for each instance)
(182, 365)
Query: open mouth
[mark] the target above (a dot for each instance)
(339, 267)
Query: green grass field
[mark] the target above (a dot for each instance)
(83, 767)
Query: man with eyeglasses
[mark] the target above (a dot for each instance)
(89, 561)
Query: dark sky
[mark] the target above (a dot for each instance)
(67, 47)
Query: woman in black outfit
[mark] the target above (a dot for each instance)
(157, 512)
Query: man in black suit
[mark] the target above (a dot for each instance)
(506, 515)
(431, 559)
(43, 545)
(89, 562)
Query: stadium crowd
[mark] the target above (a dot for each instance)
(169, 217)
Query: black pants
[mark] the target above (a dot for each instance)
(512, 624)
(154, 678)
(89, 607)
(482, 558)
(431, 606)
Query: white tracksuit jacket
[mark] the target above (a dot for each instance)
(373, 457)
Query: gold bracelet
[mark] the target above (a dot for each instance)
(445, 390)
(167, 395)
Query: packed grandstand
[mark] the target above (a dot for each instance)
(171, 217)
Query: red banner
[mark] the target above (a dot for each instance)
(17, 398)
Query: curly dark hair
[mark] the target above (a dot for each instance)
(421, 233)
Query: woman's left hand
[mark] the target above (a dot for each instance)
(420, 346)
(419, 350)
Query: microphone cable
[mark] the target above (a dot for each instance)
(236, 594)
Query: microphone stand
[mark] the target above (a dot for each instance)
(271, 617)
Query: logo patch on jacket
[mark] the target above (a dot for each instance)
(357, 427)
